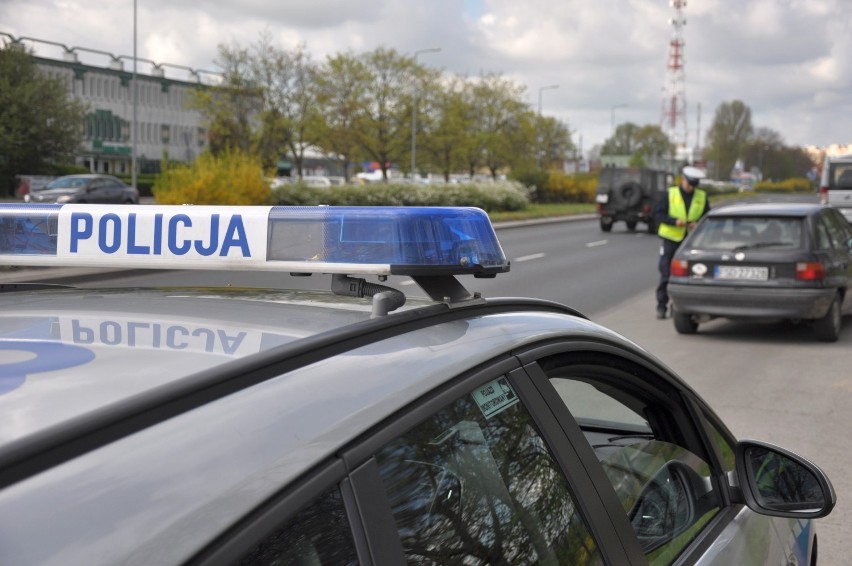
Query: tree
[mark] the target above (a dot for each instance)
(498, 104)
(342, 84)
(554, 141)
(40, 123)
(767, 153)
(652, 144)
(230, 108)
(623, 140)
(446, 139)
(289, 114)
(730, 131)
(644, 144)
(386, 112)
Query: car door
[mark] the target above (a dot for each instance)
(482, 474)
(646, 436)
(478, 472)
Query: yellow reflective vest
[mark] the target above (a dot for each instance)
(677, 210)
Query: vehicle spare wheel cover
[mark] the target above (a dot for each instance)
(630, 193)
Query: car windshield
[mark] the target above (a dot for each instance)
(67, 183)
(747, 232)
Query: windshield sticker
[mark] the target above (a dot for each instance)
(494, 397)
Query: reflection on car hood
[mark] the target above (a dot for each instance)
(75, 350)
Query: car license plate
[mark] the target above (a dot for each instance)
(741, 272)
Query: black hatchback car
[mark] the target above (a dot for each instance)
(766, 261)
(92, 188)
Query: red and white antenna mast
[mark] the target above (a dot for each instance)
(673, 114)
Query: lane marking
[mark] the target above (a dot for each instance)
(528, 257)
(596, 244)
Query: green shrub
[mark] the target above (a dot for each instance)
(496, 196)
(794, 185)
(230, 178)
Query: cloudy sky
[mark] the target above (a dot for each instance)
(790, 61)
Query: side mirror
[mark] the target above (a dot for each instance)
(778, 483)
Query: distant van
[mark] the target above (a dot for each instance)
(835, 187)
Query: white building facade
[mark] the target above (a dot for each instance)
(166, 126)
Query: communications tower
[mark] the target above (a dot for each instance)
(673, 108)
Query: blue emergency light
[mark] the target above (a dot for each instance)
(323, 239)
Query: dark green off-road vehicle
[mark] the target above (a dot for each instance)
(629, 195)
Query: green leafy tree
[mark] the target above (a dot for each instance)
(342, 85)
(767, 153)
(623, 140)
(651, 144)
(230, 109)
(387, 104)
(451, 122)
(498, 106)
(40, 123)
(728, 135)
(554, 141)
(287, 81)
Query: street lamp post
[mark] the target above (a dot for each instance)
(133, 133)
(538, 136)
(612, 116)
(414, 111)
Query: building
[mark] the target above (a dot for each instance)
(167, 127)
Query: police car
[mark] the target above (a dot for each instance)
(353, 425)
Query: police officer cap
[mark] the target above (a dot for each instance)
(693, 174)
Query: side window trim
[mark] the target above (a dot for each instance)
(571, 452)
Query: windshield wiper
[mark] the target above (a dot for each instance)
(758, 245)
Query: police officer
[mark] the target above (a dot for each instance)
(675, 217)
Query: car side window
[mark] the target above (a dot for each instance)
(835, 233)
(318, 535)
(823, 239)
(838, 230)
(665, 488)
(476, 484)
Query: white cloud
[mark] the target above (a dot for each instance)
(789, 60)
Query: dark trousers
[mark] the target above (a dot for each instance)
(667, 251)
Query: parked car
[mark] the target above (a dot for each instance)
(765, 261)
(836, 184)
(628, 195)
(353, 425)
(92, 188)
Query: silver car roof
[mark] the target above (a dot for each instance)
(159, 494)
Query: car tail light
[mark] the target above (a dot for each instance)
(646, 208)
(810, 271)
(597, 207)
(823, 195)
(679, 268)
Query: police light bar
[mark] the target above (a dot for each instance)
(323, 239)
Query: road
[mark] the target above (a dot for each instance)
(771, 382)
(571, 262)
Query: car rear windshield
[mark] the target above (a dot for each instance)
(746, 232)
(840, 176)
